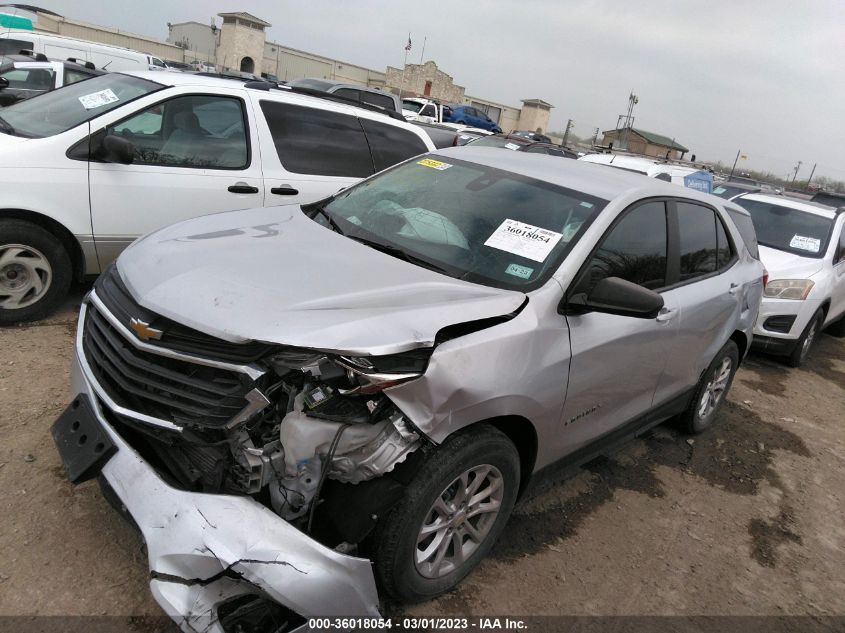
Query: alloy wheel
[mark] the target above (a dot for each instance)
(715, 388)
(458, 521)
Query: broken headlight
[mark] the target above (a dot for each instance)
(376, 373)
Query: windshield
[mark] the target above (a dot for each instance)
(469, 221)
(413, 106)
(60, 110)
(790, 230)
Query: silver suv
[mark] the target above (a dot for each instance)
(377, 376)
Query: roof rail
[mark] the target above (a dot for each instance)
(327, 96)
(39, 57)
(82, 62)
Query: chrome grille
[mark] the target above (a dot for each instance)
(177, 391)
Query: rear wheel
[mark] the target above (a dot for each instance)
(35, 271)
(802, 347)
(711, 390)
(450, 516)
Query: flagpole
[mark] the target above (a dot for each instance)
(405, 63)
(425, 39)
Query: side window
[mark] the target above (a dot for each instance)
(634, 250)
(29, 78)
(427, 110)
(698, 245)
(157, 62)
(746, 229)
(383, 101)
(841, 255)
(318, 142)
(391, 144)
(347, 93)
(72, 76)
(204, 132)
(9, 46)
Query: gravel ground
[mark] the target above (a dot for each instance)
(746, 519)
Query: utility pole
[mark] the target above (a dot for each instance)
(797, 167)
(811, 175)
(734, 167)
(595, 137)
(566, 133)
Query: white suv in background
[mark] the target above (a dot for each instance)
(802, 245)
(87, 169)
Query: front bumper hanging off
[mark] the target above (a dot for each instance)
(205, 549)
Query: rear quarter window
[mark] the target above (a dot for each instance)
(318, 142)
(745, 227)
(390, 144)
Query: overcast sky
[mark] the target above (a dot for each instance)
(764, 76)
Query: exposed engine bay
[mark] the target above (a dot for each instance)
(315, 418)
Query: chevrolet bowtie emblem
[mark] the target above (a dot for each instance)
(143, 330)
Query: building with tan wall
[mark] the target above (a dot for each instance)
(638, 141)
(424, 80)
(242, 42)
(534, 115)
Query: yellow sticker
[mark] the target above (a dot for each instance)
(434, 164)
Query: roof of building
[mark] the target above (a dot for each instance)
(538, 103)
(654, 139)
(243, 15)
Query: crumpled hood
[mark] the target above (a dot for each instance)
(783, 265)
(274, 275)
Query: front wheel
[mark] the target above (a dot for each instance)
(35, 271)
(450, 516)
(711, 390)
(802, 347)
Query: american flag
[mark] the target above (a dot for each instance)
(408, 45)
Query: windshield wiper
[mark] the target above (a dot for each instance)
(398, 253)
(322, 211)
(5, 127)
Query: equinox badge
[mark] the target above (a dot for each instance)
(143, 330)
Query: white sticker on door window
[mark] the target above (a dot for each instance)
(524, 240)
(719, 190)
(98, 99)
(511, 145)
(810, 244)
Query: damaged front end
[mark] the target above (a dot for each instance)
(254, 471)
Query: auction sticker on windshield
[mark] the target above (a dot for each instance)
(524, 240)
(434, 164)
(810, 244)
(98, 99)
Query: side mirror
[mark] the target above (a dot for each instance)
(117, 149)
(613, 295)
(4, 83)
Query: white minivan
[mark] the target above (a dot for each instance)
(87, 169)
(112, 58)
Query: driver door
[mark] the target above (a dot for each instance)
(194, 154)
(618, 361)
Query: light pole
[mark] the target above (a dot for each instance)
(566, 133)
(797, 167)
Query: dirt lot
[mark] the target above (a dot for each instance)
(745, 519)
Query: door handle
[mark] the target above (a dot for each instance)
(284, 190)
(666, 314)
(242, 188)
(733, 289)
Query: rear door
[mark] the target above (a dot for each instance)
(618, 361)
(710, 288)
(309, 153)
(194, 154)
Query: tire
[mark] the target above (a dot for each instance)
(404, 571)
(35, 271)
(804, 344)
(714, 385)
(837, 328)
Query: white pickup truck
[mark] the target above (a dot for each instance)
(423, 110)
